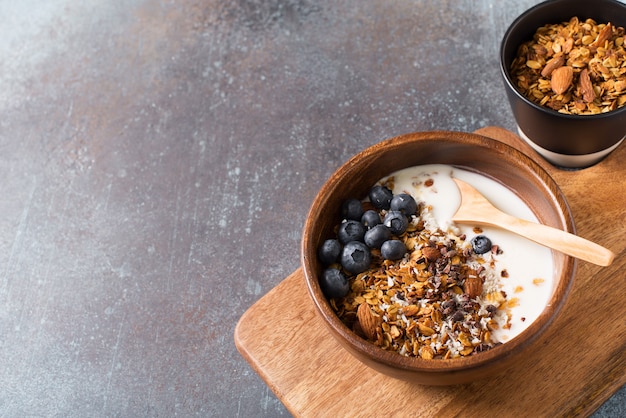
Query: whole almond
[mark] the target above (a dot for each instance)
(368, 321)
(473, 286)
(552, 64)
(561, 79)
(431, 253)
(586, 88)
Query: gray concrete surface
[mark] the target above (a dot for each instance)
(158, 159)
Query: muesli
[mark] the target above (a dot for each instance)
(574, 67)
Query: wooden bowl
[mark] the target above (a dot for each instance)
(467, 151)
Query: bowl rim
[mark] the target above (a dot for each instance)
(363, 348)
(518, 22)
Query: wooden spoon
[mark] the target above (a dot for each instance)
(476, 209)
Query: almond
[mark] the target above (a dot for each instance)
(473, 286)
(586, 88)
(368, 321)
(552, 64)
(561, 79)
(431, 253)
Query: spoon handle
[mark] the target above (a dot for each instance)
(557, 239)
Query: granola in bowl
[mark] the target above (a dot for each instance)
(574, 67)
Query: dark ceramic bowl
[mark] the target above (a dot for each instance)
(571, 141)
(468, 151)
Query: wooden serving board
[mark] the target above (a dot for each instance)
(580, 360)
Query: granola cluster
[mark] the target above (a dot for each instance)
(440, 301)
(575, 67)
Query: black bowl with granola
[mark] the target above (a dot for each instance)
(564, 69)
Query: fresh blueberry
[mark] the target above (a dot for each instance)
(329, 251)
(393, 249)
(481, 244)
(355, 257)
(404, 203)
(396, 222)
(350, 231)
(370, 219)
(380, 196)
(375, 237)
(334, 284)
(352, 209)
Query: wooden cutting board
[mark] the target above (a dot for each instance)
(580, 361)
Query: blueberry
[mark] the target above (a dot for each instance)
(352, 209)
(355, 257)
(380, 196)
(481, 244)
(393, 249)
(334, 284)
(370, 219)
(375, 237)
(396, 222)
(350, 231)
(404, 203)
(329, 251)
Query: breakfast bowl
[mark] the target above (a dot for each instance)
(566, 83)
(476, 157)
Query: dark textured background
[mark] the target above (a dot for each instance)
(158, 159)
